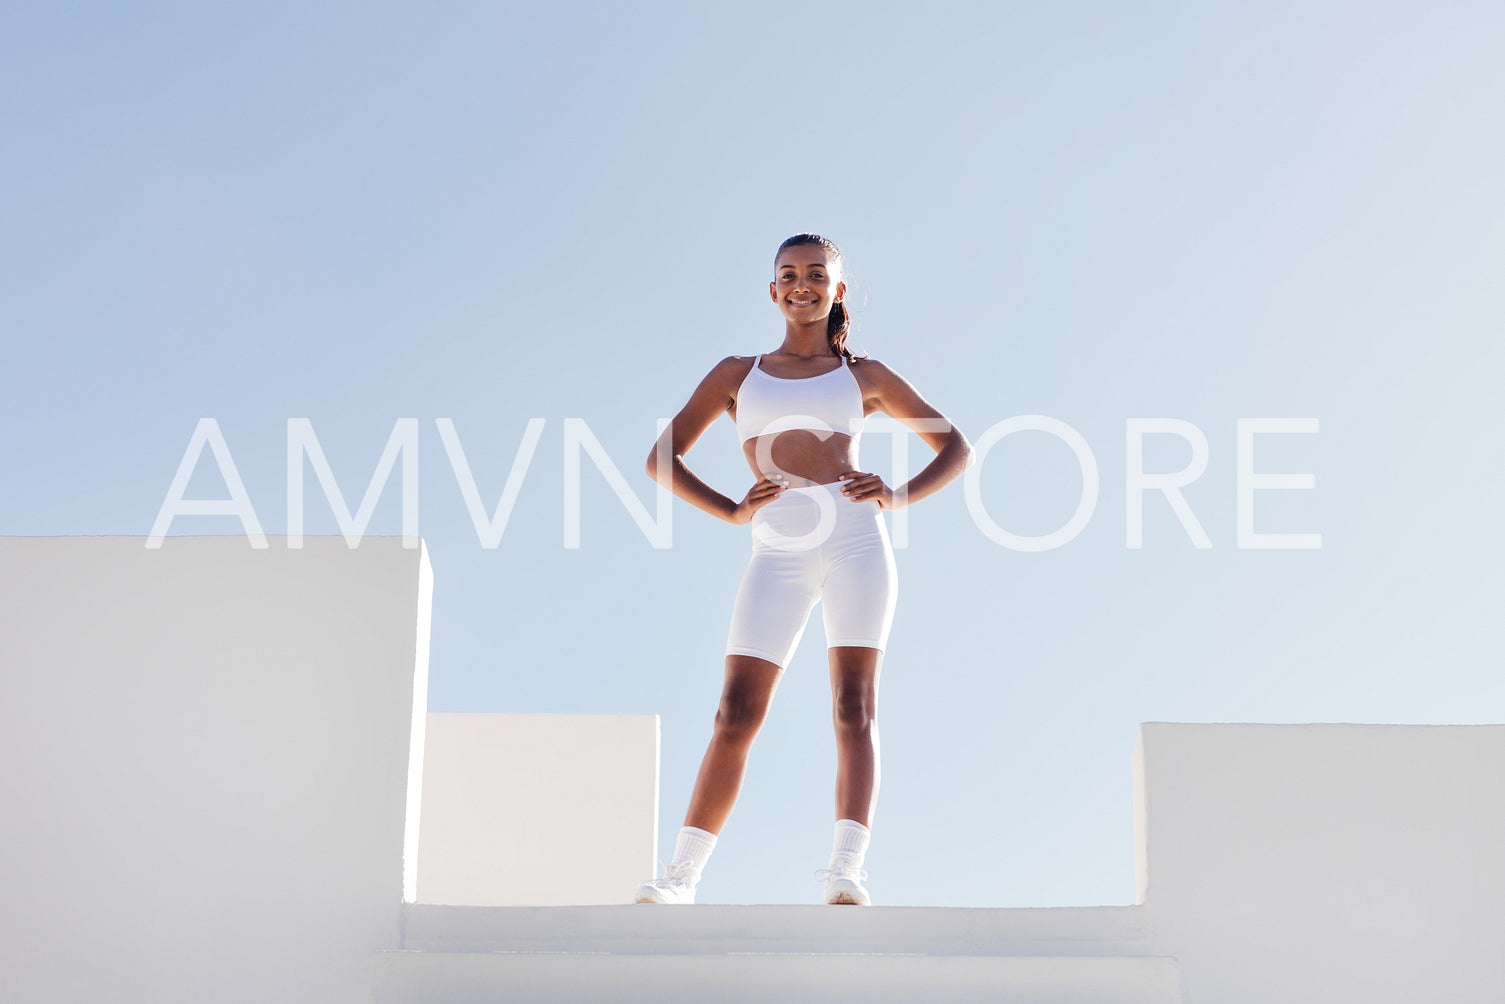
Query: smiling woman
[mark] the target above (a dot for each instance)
(818, 536)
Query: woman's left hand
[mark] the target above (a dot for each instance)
(863, 487)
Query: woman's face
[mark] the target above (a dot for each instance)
(805, 283)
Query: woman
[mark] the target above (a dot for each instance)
(817, 535)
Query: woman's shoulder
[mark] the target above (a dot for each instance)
(729, 373)
(737, 366)
(868, 368)
(734, 365)
(882, 383)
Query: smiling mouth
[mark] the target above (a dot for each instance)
(802, 303)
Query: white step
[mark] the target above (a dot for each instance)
(455, 955)
(471, 978)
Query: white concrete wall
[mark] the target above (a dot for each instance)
(204, 763)
(206, 750)
(1313, 864)
(538, 810)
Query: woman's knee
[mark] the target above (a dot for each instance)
(740, 715)
(854, 709)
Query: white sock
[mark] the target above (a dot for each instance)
(850, 844)
(694, 848)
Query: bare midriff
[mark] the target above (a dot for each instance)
(802, 455)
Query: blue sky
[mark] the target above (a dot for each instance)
(1091, 212)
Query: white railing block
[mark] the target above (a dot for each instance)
(538, 809)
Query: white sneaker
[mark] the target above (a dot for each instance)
(844, 884)
(677, 886)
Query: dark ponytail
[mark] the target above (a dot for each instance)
(839, 324)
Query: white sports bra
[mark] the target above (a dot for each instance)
(830, 402)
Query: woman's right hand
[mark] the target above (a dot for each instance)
(759, 495)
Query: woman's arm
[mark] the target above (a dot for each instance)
(897, 398)
(666, 461)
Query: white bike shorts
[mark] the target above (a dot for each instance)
(814, 544)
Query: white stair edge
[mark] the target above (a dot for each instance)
(716, 929)
(422, 977)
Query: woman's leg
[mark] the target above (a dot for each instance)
(745, 696)
(854, 712)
